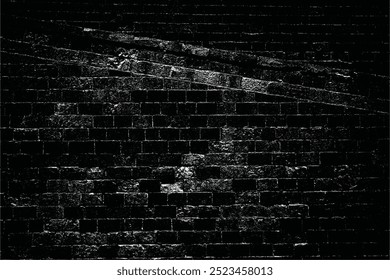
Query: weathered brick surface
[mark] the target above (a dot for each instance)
(191, 156)
(333, 32)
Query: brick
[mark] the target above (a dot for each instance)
(268, 108)
(259, 159)
(199, 198)
(110, 225)
(208, 172)
(133, 224)
(244, 185)
(210, 134)
(155, 146)
(206, 108)
(189, 134)
(188, 108)
(157, 96)
(165, 211)
(261, 250)
(177, 96)
(183, 224)
(218, 250)
(114, 200)
(31, 147)
(90, 108)
(298, 121)
(169, 134)
(199, 147)
(170, 159)
(107, 147)
(136, 199)
(117, 134)
(141, 212)
(16, 226)
(81, 147)
(178, 199)
(223, 198)
(157, 224)
(198, 121)
(88, 225)
(150, 108)
(332, 158)
(246, 108)
(103, 121)
(237, 121)
(152, 134)
(239, 250)
(131, 147)
(178, 147)
(196, 96)
(147, 159)
(166, 237)
(119, 121)
(204, 224)
(149, 185)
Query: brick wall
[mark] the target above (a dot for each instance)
(331, 32)
(168, 158)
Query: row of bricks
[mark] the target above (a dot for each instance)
(190, 237)
(121, 83)
(165, 108)
(317, 227)
(250, 123)
(81, 184)
(114, 96)
(103, 224)
(171, 119)
(287, 190)
(26, 141)
(371, 86)
(266, 174)
(208, 214)
(158, 155)
(139, 82)
(261, 203)
(363, 148)
(131, 161)
(321, 137)
(248, 211)
(202, 251)
(171, 108)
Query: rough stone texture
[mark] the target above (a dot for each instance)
(116, 145)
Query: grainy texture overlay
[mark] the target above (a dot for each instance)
(194, 129)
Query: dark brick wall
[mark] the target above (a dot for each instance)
(104, 163)
(331, 32)
(232, 175)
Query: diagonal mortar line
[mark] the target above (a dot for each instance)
(250, 85)
(206, 77)
(177, 47)
(352, 79)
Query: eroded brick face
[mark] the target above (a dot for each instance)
(122, 147)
